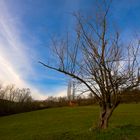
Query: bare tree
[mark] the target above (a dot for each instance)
(99, 61)
(24, 95)
(11, 93)
(2, 92)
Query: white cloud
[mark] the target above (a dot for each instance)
(15, 61)
(62, 93)
(10, 42)
(8, 75)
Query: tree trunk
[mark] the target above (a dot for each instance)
(104, 117)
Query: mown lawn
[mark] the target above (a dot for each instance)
(71, 123)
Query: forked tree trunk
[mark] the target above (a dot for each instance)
(104, 117)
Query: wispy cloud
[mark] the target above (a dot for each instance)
(15, 61)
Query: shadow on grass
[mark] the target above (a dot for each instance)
(128, 126)
(126, 132)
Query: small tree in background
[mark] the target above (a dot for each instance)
(98, 60)
(11, 93)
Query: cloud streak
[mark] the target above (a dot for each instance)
(15, 62)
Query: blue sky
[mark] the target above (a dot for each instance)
(25, 30)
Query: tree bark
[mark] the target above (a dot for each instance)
(104, 117)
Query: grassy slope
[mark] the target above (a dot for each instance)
(71, 123)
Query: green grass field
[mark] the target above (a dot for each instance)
(71, 123)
